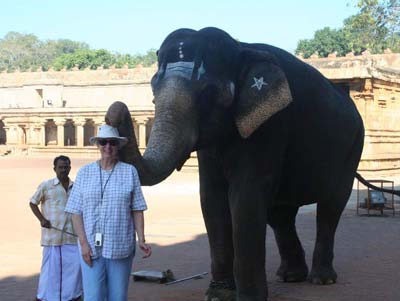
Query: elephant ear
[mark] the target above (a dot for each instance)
(263, 91)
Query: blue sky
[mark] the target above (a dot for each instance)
(134, 26)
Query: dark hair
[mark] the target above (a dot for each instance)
(62, 158)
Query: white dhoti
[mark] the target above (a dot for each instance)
(60, 275)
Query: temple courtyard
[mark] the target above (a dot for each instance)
(367, 249)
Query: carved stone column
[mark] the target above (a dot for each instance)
(37, 134)
(30, 135)
(141, 122)
(22, 134)
(98, 122)
(79, 123)
(43, 134)
(40, 130)
(60, 131)
(12, 134)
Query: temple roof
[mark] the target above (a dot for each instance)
(381, 66)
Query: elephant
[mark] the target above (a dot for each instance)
(271, 134)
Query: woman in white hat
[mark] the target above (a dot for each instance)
(107, 207)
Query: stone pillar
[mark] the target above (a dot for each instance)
(12, 135)
(36, 134)
(60, 131)
(97, 123)
(79, 123)
(30, 137)
(43, 134)
(141, 122)
(21, 134)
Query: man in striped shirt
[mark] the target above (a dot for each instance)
(60, 275)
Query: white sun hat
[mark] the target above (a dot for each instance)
(108, 132)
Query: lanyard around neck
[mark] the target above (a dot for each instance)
(103, 189)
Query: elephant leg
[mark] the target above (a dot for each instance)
(249, 218)
(328, 214)
(293, 266)
(217, 218)
(329, 211)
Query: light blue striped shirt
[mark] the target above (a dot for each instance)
(110, 215)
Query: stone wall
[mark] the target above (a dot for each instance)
(373, 82)
(30, 100)
(76, 89)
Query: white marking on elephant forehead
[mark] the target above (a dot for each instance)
(181, 55)
(259, 83)
(184, 69)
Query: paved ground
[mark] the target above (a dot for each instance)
(366, 253)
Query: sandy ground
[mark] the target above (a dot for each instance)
(368, 265)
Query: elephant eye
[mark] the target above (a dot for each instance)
(207, 96)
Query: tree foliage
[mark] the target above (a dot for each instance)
(325, 41)
(375, 27)
(26, 52)
(88, 58)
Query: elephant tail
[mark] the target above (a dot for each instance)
(368, 184)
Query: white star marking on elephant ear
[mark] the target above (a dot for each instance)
(258, 83)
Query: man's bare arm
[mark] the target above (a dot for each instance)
(36, 211)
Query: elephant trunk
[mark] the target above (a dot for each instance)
(172, 138)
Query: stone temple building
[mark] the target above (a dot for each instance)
(57, 112)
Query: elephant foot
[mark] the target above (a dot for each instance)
(221, 291)
(322, 276)
(292, 273)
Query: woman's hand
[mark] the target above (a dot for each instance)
(146, 249)
(86, 253)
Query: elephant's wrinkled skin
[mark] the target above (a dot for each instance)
(271, 134)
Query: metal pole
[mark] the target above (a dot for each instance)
(66, 232)
(187, 278)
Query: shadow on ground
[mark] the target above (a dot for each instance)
(366, 260)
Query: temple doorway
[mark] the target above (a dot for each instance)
(88, 131)
(50, 132)
(69, 133)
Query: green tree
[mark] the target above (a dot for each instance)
(83, 58)
(126, 59)
(18, 51)
(375, 27)
(390, 13)
(366, 30)
(52, 49)
(149, 58)
(26, 51)
(325, 41)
